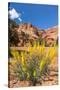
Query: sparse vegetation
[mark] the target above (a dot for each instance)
(34, 64)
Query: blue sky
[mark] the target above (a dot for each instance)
(42, 16)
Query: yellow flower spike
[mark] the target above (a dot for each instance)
(42, 49)
(38, 46)
(30, 50)
(34, 44)
(15, 54)
(34, 73)
(52, 53)
(28, 75)
(22, 57)
(23, 61)
(42, 63)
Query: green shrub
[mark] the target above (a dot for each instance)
(34, 64)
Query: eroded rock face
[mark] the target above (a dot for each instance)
(28, 33)
(28, 29)
(51, 35)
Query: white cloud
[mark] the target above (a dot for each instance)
(13, 14)
(20, 19)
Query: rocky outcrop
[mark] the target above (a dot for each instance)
(51, 35)
(28, 33)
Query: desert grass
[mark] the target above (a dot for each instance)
(34, 64)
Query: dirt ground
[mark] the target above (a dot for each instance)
(51, 79)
